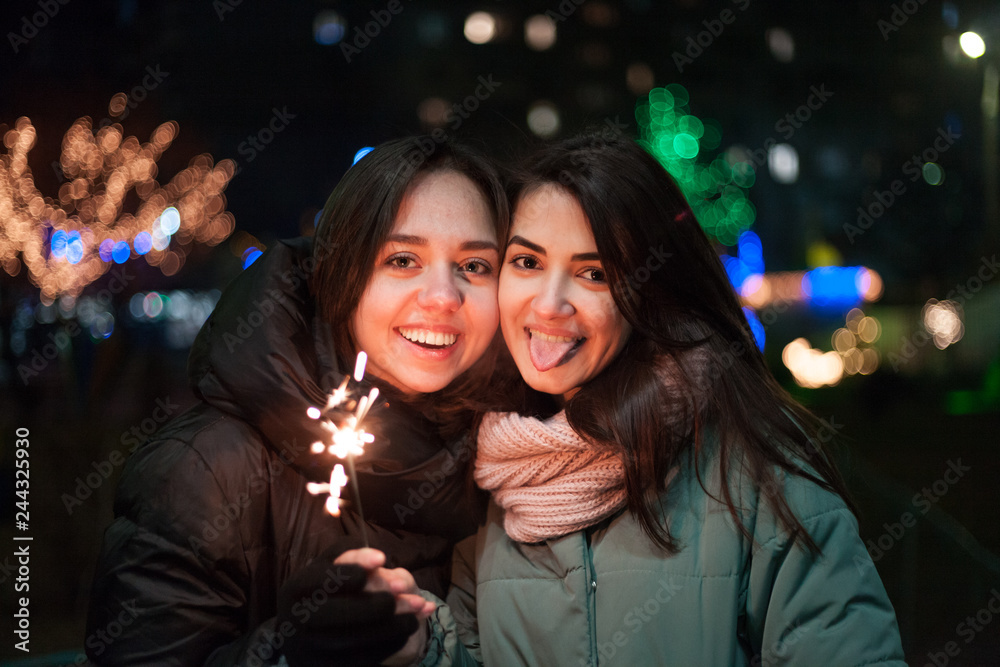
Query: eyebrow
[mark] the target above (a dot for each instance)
(409, 239)
(534, 247)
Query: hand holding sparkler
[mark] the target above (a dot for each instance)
(347, 440)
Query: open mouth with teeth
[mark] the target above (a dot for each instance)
(431, 340)
(549, 351)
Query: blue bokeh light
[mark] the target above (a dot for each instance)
(58, 244)
(170, 221)
(751, 252)
(74, 247)
(143, 243)
(329, 28)
(105, 249)
(833, 286)
(755, 326)
(250, 256)
(121, 252)
(361, 153)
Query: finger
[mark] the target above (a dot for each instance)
(367, 558)
(414, 604)
(402, 581)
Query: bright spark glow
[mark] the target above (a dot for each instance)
(338, 480)
(359, 366)
(347, 439)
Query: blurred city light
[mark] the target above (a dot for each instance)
(329, 27)
(143, 243)
(250, 255)
(810, 367)
(639, 78)
(755, 326)
(933, 173)
(121, 252)
(357, 156)
(943, 321)
(434, 111)
(480, 27)
(543, 119)
(539, 32)
(781, 44)
(170, 221)
(717, 189)
(783, 162)
(57, 245)
(972, 44)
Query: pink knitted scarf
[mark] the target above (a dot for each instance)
(549, 481)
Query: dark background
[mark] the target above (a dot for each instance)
(227, 67)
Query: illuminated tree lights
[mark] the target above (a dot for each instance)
(716, 190)
(68, 241)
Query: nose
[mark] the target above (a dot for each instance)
(440, 291)
(552, 302)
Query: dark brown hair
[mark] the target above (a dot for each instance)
(691, 347)
(354, 225)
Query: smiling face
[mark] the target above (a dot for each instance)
(556, 311)
(430, 310)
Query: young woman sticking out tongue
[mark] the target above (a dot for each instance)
(657, 498)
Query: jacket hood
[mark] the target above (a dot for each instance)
(263, 356)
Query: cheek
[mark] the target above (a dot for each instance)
(484, 310)
(514, 303)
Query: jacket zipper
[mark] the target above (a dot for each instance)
(591, 586)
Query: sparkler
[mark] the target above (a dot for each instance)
(346, 441)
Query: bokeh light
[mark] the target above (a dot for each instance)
(357, 156)
(716, 188)
(783, 163)
(543, 119)
(943, 321)
(972, 44)
(480, 27)
(810, 367)
(121, 252)
(539, 32)
(781, 44)
(104, 171)
(329, 27)
(143, 243)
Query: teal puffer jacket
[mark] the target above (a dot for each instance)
(607, 596)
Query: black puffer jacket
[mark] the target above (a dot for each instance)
(212, 513)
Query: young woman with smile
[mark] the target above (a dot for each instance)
(430, 311)
(656, 498)
(216, 538)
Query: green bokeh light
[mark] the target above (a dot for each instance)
(715, 189)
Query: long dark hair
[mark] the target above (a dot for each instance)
(354, 225)
(691, 347)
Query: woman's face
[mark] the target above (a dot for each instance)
(430, 309)
(556, 310)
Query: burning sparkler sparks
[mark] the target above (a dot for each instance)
(102, 167)
(347, 440)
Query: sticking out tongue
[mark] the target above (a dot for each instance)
(546, 355)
